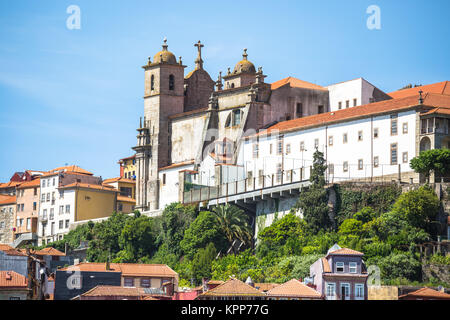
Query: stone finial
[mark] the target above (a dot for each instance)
(219, 81)
(245, 55)
(420, 97)
(199, 61)
(165, 46)
(149, 60)
(229, 70)
(181, 62)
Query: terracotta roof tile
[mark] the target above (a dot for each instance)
(294, 288)
(127, 269)
(233, 287)
(49, 252)
(126, 199)
(346, 251)
(386, 106)
(89, 186)
(265, 286)
(9, 184)
(105, 291)
(30, 184)
(178, 164)
(427, 293)
(439, 87)
(10, 251)
(296, 83)
(11, 279)
(119, 179)
(68, 169)
(8, 200)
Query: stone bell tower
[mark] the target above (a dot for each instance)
(164, 96)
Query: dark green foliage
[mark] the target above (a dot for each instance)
(202, 231)
(435, 160)
(201, 264)
(313, 201)
(400, 266)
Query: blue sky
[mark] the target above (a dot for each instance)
(75, 96)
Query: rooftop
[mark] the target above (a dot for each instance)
(233, 287)
(127, 269)
(427, 293)
(11, 279)
(439, 88)
(294, 288)
(296, 83)
(7, 200)
(49, 252)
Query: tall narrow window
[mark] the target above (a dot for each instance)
(171, 82)
(375, 133)
(330, 141)
(316, 143)
(376, 162)
(302, 145)
(394, 153)
(360, 135)
(152, 82)
(340, 105)
(164, 179)
(299, 110)
(405, 157)
(345, 166)
(355, 102)
(394, 124)
(347, 103)
(344, 138)
(405, 127)
(255, 150)
(360, 164)
(280, 146)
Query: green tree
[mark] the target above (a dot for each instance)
(399, 266)
(435, 160)
(201, 264)
(234, 224)
(202, 231)
(351, 227)
(313, 201)
(174, 221)
(137, 240)
(420, 207)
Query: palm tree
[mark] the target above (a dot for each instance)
(234, 223)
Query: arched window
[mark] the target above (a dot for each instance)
(171, 82)
(232, 85)
(152, 82)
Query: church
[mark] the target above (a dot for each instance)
(205, 141)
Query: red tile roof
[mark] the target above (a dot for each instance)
(89, 186)
(427, 293)
(8, 200)
(346, 251)
(11, 279)
(49, 252)
(128, 158)
(30, 184)
(233, 287)
(439, 87)
(294, 289)
(10, 251)
(110, 291)
(394, 105)
(68, 169)
(10, 184)
(265, 286)
(119, 179)
(296, 83)
(126, 199)
(178, 164)
(127, 269)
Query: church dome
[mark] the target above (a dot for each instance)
(165, 55)
(244, 66)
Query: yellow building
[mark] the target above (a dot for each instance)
(126, 187)
(128, 167)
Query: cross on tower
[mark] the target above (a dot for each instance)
(199, 61)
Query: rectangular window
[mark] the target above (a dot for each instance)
(302, 145)
(52, 213)
(260, 177)
(61, 194)
(360, 136)
(67, 223)
(340, 105)
(250, 179)
(128, 282)
(68, 208)
(44, 213)
(330, 141)
(352, 267)
(345, 166)
(394, 124)
(164, 179)
(376, 162)
(279, 172)
(299, 110)
(35, 191)
(43, 197)
(280, 146)
(34, 206)
(345, 290)
(360, 164)
(145, 283)
(28, 223)
(61, 209)
(347, 103)
(359, 291)
(43, 183)
(61, 224)
(355, 102)
(288, 148)
(255, 150)
(270, 149)
(405, 157)
(344, 138)
(54, 181)
(316, 143)
(405, 127)
(330, 290)
(320, 109)
(394, 153)
(339, 267)
(48, 197)
(375, 133)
